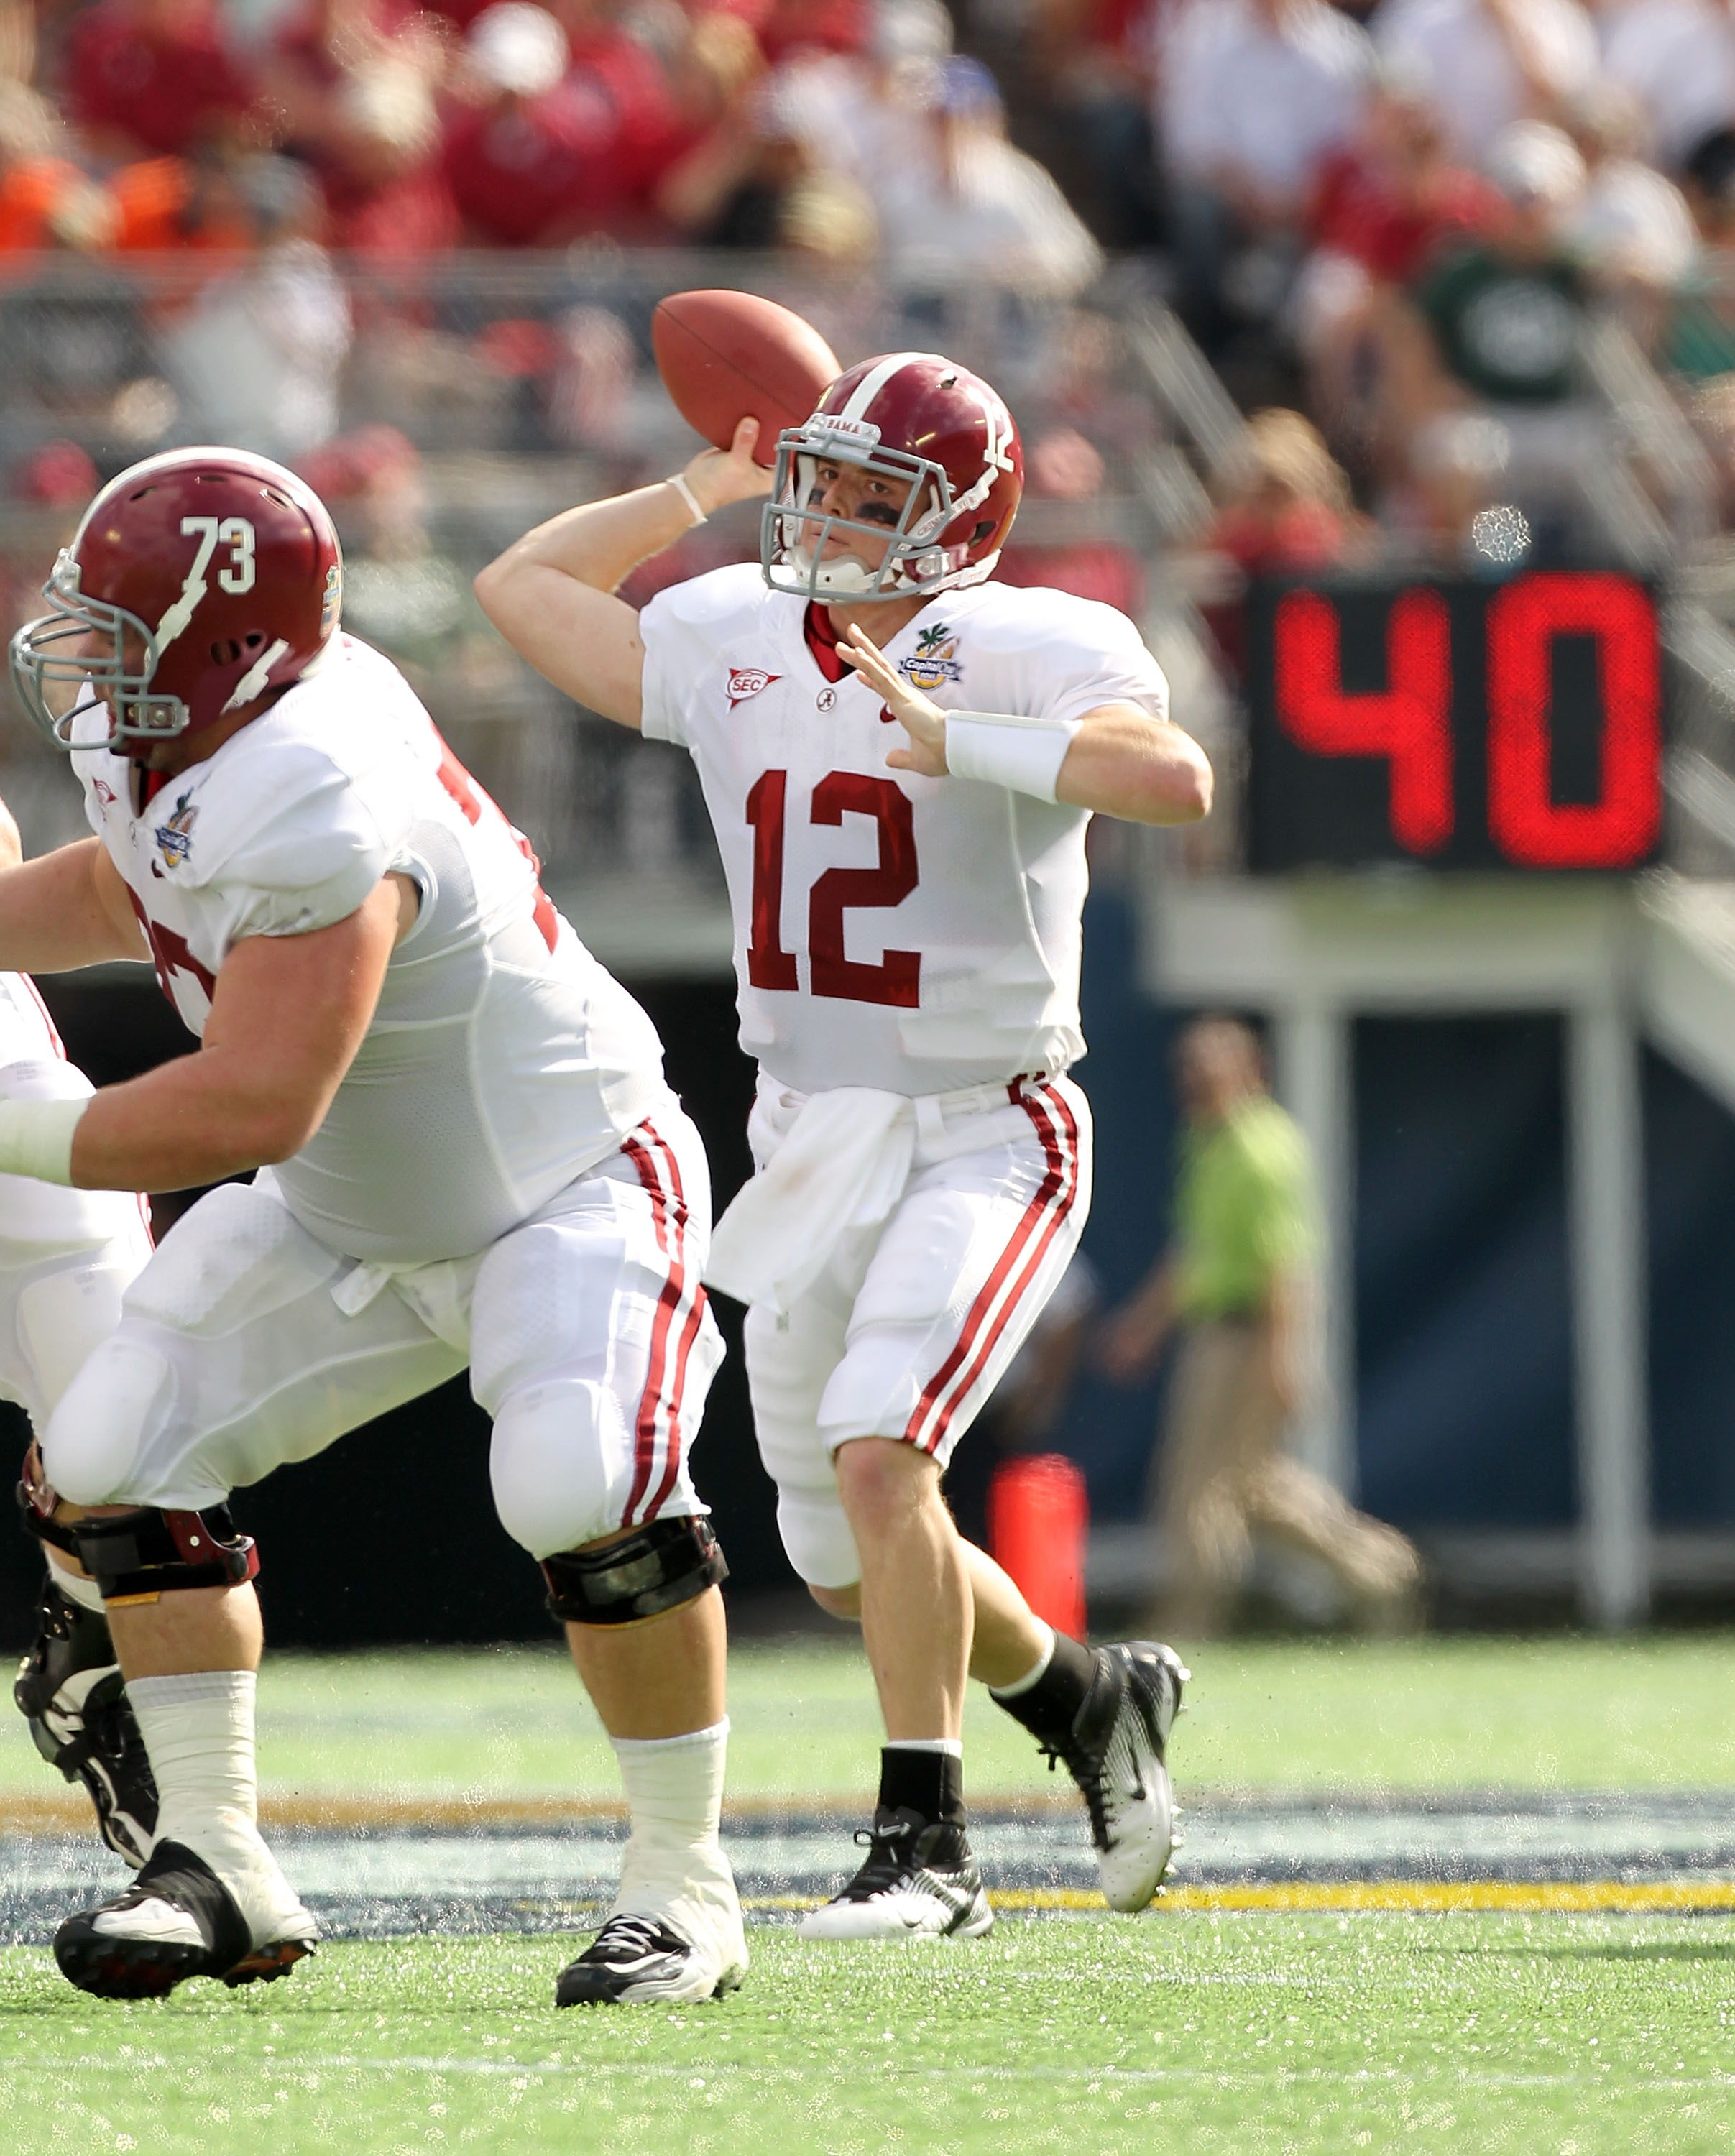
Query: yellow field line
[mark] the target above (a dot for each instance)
(1417, 1896)
(1656, 1896)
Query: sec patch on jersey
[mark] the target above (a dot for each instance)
(746, 682)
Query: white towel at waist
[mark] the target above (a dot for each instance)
(840, 1162)
(843, 1164)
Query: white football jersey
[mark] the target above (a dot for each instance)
(48, 1216)
(912, 934)
(502, 1060)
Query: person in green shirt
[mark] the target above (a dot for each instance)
(1237, 1281)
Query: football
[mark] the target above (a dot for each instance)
(724, 355)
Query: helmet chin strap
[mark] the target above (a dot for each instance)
(846, 577)
(849, 578)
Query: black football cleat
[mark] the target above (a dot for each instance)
(918, 1880)
(1117, 1752)
(175, 1920)
(636, 1960)
(71, 1690)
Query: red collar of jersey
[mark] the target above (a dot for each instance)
(823, 642)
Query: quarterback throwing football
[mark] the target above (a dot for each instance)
(468, 1156)
(900, 758)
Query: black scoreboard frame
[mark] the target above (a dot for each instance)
(1516, 727)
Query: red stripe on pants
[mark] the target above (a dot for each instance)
(1042, 1219)
(665, 1378)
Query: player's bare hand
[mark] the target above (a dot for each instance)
(718, 477)
(921, 719)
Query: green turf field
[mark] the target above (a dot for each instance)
(1562, 2037)
(1191, 2031)
(1409, 1715)
(1421, 1714)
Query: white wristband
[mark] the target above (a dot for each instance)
(36, 1137)
(678, 480)
(1002, 749)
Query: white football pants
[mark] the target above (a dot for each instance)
(66, 1257)
(246, 1343)
(914, 1322)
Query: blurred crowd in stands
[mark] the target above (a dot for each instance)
(843, 129)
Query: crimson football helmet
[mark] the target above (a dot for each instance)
(911, 416)
(197, 581)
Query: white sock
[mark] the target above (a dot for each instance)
(85, 1593)
(674, 1787)
(952, 1747)
(1033, 1675)
(674, 1798)
(198, 1731)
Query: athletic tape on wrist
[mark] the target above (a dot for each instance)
(36, 1137)
(1002, 749)
(678, 480)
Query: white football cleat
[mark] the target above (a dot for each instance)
(677, 1938)
(1117, 1754)
(918, 1882)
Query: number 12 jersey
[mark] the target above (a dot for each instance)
(912, 934)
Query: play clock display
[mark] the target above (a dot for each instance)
(1456, 724)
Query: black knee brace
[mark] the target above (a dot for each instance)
(643, 1574)
(135, 1557)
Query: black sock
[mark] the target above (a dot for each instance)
(929, 1783)
(1049, 1709)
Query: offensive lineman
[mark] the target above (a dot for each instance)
(907, 899)
(468, 1155)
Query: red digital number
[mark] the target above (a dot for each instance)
(769, 965)
(1527, 825)
(897, 978)
(1409, 722)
